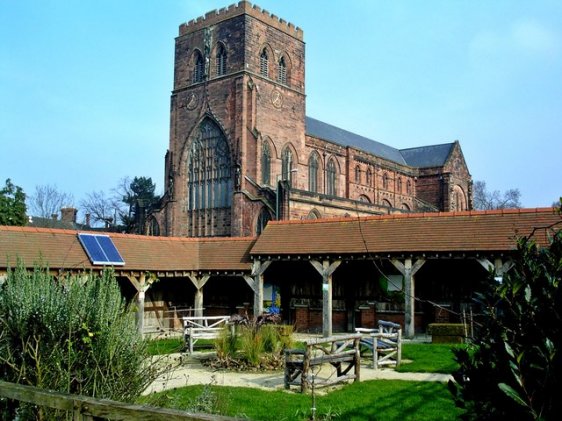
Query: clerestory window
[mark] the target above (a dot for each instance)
(287, 166)
(331, 178)
(313, 173)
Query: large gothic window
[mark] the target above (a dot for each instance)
(209, 169)
(266, 164)
(331, 178)
(199, 69)
(264, 63)
(287, 166)
(313, 173)
(221, 60)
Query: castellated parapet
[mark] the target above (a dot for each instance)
(243, 7)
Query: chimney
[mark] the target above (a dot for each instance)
(87, 219)
(69, 215)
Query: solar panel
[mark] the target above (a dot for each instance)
(100, 249)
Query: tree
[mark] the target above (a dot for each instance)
(139, 196)
(485, 200)
(513, 369)
(125, 208)
(100, 207)
(48, 201)
(12, 205)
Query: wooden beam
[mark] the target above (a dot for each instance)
(326, 269)
(199, 282)
(408, 270)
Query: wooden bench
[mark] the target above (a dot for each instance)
(385, 343)
(202, 327)
(342, 352)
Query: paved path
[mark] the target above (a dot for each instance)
(189, 371)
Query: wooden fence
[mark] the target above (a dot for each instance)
(85, 408)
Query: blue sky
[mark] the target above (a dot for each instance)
(85, 85)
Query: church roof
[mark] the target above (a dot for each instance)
(427, 156)
(334, 134)
(420, 157)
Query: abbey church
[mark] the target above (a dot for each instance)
(243, 151)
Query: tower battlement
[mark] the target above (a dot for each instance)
(243, 7)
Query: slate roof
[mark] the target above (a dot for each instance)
(447, 232)
(334, 134)
(61, 249)
(421, 157)
(427, 156)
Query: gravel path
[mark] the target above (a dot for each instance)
(189, 371)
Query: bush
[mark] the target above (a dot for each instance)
(71, 334)
(513, 370)
(447, 332)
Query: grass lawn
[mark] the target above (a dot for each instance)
(166, 346)
(428, 358)
(369, 400)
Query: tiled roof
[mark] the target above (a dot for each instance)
(464, 232)
(61, 249)
(427, 156)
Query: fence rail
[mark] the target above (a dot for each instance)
(84, 408)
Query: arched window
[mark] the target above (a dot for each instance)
(331, 178)
(199, 69)
(221, 60)
(357, 175)
(209, 166)
(363, 198)
(153, 227)
(313, 173)
(287, 166)
(313, 214)
(369, 176)
(409, 187)
(264, 63)
(405, 207)
(399, 185)
(266, 164)
(385, 181)
(263, 218)
(282, 71)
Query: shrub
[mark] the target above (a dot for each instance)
(255, 343)
(513, 370)
(71, 334)
(447, 332)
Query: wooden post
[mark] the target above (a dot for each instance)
(408, 270)
(326, 269)
(498, 267)
(141, 286)
(256, 283)
(199, 282)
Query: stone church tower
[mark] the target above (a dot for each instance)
(243, 152)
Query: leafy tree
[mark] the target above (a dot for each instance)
(486, 200)
(12, 205)
(513, 369)
(139, 195)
